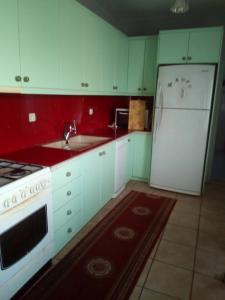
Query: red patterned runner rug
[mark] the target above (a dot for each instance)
(107, 262)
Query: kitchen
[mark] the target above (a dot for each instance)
(61, 88)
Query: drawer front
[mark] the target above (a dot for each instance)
(67, 193)
(66, 233)
(65, 174)
(67, 212)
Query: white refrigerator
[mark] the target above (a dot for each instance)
(181, 124)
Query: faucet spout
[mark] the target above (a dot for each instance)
(69, 129)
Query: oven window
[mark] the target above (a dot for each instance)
(20, 239)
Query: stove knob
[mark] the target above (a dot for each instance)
(6, 203)
(14, 199)
(23, 194)
(32, 191)
(44, 184)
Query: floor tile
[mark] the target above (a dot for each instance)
(164, 193)
(212, 242)
(180, 235)
(135, 295)
(209, 263)
(175, 254)
(188, 220)
(188, 206)
(207, 288)
(144, 273)
(169, 280)
(151, 295)
(212, 225)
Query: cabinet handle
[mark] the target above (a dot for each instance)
(86, 84)
(68, 174)
(183, 58)
(68, 193)
(115, 87)
(100, 153)
(103, 153)
(69, 212)
(128, 140)
(69, 230)
(144, 89)
(189, 57)
(18, 78)
(139, 89)
(82, 84)
(26, 79)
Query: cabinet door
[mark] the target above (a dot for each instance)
(136, 63)
(149, 77)
(71, 49)
(173, 47)
(107, 166)
(121, 63)
(9, 50)
(91, 202)
(130, 157)
(92, 50)
(205, 46)
(141, 156)
(39, 43)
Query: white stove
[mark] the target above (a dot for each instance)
(26, 232)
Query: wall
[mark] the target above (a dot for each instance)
(52, 113)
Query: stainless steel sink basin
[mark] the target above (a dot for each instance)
(78, 142)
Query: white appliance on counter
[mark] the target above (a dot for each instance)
(181, 122)
(26, 231)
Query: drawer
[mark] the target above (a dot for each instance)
(66, 233)
(67, 193)
(66, 212)
(65, 174)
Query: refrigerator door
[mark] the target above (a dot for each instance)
(179, 146)
(185, 86)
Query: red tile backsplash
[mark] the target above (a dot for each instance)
(52, 112)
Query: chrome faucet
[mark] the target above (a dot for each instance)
(69, 129)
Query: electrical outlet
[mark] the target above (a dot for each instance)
(91, 111)
(32, 117)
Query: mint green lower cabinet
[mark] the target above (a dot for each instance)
(142, 144)
(107, 168)
(67, 183)
(98, 179)
(130, 154)
(91, 201)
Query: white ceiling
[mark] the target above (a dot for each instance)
(143, 17)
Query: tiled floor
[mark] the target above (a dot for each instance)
(189, 260)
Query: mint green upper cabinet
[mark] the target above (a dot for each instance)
(115, 60)
(70, 37)
(149, 77)
(142, 65)
(92, 33)
(172, 46)
(136, 65)
(9, 50)
(205, 45)
(202, 45)
(39, 43)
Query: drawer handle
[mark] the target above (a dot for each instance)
(69, 230)
(189, 58)
(68, 174)
(68, 193)
(183, 58)
(69, 212)
(144, 89)
(128, 140)
(139, 89)
(102, 153)
(26, 79)
(18, 78)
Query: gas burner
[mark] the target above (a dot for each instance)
(18, 173)
(12, 170)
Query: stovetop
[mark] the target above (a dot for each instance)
(11, 170)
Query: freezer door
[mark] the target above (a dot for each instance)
(179, 145)
(185, 86)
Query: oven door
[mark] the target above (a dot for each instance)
(27, 230)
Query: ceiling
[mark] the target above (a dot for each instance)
(144, 17)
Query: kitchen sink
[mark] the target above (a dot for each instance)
(78, 142)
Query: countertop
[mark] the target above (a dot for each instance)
(49, 156)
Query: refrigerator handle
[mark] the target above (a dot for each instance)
(160, 112)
